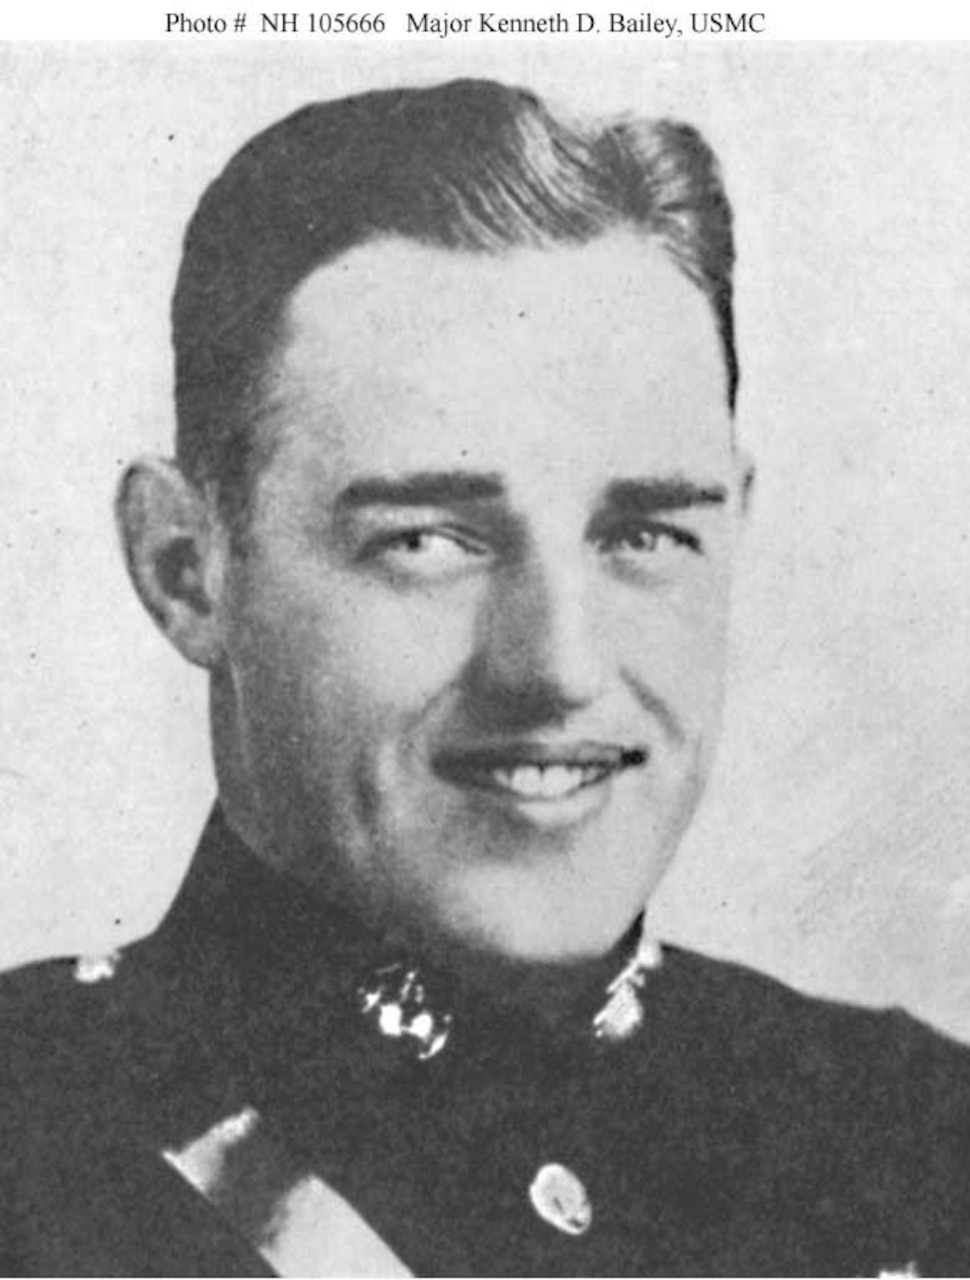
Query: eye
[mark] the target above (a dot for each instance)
(647, 540)
(426, 554)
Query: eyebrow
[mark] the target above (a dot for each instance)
(423, 489)
(667, 493)
(445, 488)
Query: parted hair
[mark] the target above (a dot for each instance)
(471, 165)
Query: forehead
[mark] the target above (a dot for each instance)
(406, 355)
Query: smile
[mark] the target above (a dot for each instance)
(537, 774)
(547, 782)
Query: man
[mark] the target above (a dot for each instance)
(451, 527)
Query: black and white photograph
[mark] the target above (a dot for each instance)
(485, 613)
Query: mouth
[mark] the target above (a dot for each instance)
(537, 774)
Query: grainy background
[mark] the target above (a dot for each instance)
(833, 846)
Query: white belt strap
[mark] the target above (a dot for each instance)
(299, 1224)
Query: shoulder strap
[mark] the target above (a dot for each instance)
(298, 1224)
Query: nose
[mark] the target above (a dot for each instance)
(540, 643)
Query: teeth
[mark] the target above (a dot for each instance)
(547, 782)
(558, 778)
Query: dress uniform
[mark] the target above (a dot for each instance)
(257, 1088)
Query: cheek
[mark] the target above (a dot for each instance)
(675, 646)
(397, 652)
(326, 652)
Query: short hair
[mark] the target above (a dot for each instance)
(470, 165)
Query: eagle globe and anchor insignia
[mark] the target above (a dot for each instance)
(397, 1002)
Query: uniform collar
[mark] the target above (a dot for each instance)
(293, 948)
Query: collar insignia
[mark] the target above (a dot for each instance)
(622, 1015)
(396, 1001)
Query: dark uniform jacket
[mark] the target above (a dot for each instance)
(745, 1129)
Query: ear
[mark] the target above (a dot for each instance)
(174, 556)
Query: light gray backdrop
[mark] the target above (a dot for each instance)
(833, 847)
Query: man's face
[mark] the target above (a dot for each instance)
(475, 644)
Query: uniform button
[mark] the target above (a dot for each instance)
(560, 1199)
